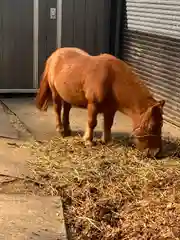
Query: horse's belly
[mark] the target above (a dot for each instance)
(78, 101)
(74, 96)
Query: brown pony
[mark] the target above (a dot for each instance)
(102, 84)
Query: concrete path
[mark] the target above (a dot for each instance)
(42, 125)
(35, 121)
(6, 129)
(24, 216)
(13, 159)
(31, 218)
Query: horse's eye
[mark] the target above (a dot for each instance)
(153, 127)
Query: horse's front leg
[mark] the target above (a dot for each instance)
(108, 122)
(92, 122)
(66, 125)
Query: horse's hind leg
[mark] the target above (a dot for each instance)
(57, 104)
(66, 125)
(108, 122)
(92, 122)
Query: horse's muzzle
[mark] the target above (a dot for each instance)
(151, 146)
(152, 152)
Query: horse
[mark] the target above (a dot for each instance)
(101, 84)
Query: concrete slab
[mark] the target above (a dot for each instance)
(13, 160)
(6, 129)
(31, 218)
(40, 124)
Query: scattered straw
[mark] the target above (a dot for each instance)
(111, 192)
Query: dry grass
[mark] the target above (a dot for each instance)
(111, 192)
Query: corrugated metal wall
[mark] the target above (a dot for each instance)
(151, 44)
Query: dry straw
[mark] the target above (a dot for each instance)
(111, 192)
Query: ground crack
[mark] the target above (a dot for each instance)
(16, 122)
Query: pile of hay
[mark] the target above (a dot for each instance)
(111, 192)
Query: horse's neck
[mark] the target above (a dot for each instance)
(136, 120)
(137, 111)
(132, 96)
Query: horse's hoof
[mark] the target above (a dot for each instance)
(60, 130)
(89, 143)
(107, 143)
(67, 133)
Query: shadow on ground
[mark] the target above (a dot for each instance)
(171, 148)
(121, 137)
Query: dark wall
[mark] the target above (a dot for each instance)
(86, 24)
(116, 26)
(47, 32)
(16, 44)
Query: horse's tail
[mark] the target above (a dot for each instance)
(44, 93)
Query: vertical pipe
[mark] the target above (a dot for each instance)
(35, 43)
(59, 23)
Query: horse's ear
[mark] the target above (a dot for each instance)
(161, 103)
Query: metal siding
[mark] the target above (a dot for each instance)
(67, 23)
(103, 24)
(79, 23)
(35, 43)
(91, 27)
(151, 45)
(47, 32)
(1, 43)
(16, 44)
(86, 24)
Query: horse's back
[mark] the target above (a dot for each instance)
(71, 63)
(77, 76)
(67, 53)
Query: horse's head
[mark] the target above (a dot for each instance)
(147, 136)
